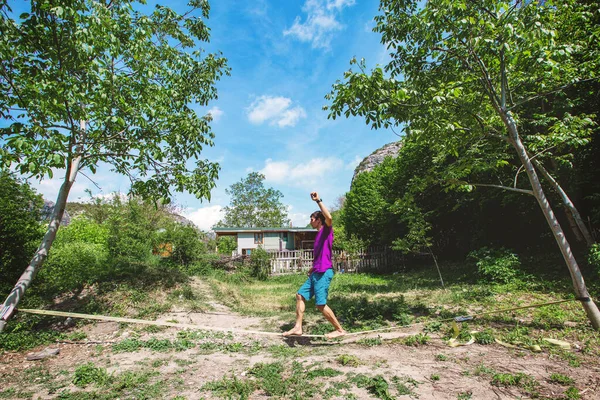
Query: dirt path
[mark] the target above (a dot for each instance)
(433, 371)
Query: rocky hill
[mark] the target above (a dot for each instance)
(377, 157)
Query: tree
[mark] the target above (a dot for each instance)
(466, 74)
(252, 205)
(88, 82)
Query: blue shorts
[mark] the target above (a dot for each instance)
(317, 285)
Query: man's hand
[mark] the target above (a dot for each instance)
(314, 196)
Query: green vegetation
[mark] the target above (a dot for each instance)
(252, 205)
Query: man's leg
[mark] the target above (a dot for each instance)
(330, 316)
(300, 307)
(321, 294)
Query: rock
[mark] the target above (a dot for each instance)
(377, 157)
(48, 209)
(40, 355)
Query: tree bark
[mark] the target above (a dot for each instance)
(581, 291)
(15, 296)
(570, 207)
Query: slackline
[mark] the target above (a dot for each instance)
(252, 332)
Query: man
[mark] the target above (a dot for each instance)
(321, 273)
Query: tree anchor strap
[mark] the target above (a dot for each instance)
(583, 299)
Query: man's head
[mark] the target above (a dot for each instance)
(317, 219)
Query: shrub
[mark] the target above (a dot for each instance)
(187, 246)
(496, 265)
(594, 257)
(227, 245)
(20, 228)
(260, 264)
(73, 265)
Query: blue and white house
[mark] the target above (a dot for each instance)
(270, 239)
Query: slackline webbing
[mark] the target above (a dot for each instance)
(252, 332)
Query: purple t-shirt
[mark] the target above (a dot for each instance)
(322, 250)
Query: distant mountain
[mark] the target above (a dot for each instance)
(48, 209)
(377, 157)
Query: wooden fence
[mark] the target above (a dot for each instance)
(375, 259)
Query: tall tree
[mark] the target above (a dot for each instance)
(90, 82)
(252, 205)
(464, 72)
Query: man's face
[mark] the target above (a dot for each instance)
(314, 222)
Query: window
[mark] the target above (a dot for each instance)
(284, 236)
(258, 238)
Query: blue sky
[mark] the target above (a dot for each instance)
(284, 57)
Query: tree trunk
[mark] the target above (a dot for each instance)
(40, 255)
(572, 211)
(578, 283)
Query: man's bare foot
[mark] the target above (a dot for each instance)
(293, 332)
(335, 334)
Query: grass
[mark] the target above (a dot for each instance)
(362, 301)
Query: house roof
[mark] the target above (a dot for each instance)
(262, 229)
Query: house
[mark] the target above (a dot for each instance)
(270, 239)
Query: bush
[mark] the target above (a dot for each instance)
(186, 243)
(73, 265)
(496, 265)
(594, 257)
(227, 245)
(260, 265)
(20, 228)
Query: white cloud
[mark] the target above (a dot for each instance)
(298, 219)
(354, 163)
(275, 110)
(216, 113)
(306, 174)
(321, 22)
(205, 217)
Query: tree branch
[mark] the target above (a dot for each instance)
(511, 189)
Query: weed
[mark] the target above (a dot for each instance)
(12, 393)
(464, 396)
(485, 337)
(434, 326)
(183, 344)
(230, 387)
(441, 357)
(370, 342)
(348, 360)
(323, 372)
(434, 377)
(88, 373)
(520, 379)
(402, 383)
(572, 393)
(76, 336)
(379, 388)
(25, 340)
(483, 370)
(285, 351)
(183, 363)
(127, 346)
(37, 374)
(508, 379)
(159, 363)
(561, 379)
(234, 347)
(154, 328)
(416, 340)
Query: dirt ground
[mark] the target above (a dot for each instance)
(441, 372)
